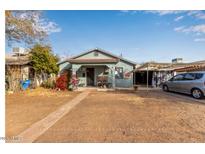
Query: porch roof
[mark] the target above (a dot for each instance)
(93, 61)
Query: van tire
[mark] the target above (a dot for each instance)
(197, 93)
(165, 88)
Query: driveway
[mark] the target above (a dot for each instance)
(123, 116)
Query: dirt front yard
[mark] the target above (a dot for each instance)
(25, 108)
(111, 117)
(130, 117)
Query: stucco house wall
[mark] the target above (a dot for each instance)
(125, 82)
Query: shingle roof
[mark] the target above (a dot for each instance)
(161, 66)
(193, 67)
(170, 66)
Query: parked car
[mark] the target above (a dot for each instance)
(189, 83)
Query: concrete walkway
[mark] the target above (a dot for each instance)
(40, 127)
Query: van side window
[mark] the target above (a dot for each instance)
(178, 77)
(198, 76)
(189, 76)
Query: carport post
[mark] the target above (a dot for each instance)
(147, 76)
(134, 82)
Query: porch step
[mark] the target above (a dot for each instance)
(105, 89)
(94, 89)
(86, 88)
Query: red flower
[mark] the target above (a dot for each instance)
(62, 82)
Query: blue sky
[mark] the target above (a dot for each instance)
(138, 35)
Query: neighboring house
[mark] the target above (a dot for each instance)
(89, 66)
(195, 66)
(17, 68)
(156, 73)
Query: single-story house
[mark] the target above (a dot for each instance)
(89, 66)
(18, 68)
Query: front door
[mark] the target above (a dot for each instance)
(90, 76)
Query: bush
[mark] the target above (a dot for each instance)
(62, 82)
(50, 84)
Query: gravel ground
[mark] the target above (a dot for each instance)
(25, 108)
(131, 117)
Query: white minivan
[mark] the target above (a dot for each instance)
(190, 83)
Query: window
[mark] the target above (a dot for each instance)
(119, 72)
(193, 76)
(178, 77)
(198, 76)
(189, 76)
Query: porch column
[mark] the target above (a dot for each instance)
(112, 68)
(75, 68)
(113, 77)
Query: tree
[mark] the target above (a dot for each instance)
(28, 26)
(43, 60)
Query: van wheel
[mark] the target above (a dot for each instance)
(197, 93)
(165, 88)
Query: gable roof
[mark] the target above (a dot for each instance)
(103, 52)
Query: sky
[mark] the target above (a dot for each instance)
(139, 36)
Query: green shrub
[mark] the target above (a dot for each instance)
(49, 84)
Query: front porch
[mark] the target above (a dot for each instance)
(91, 75)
